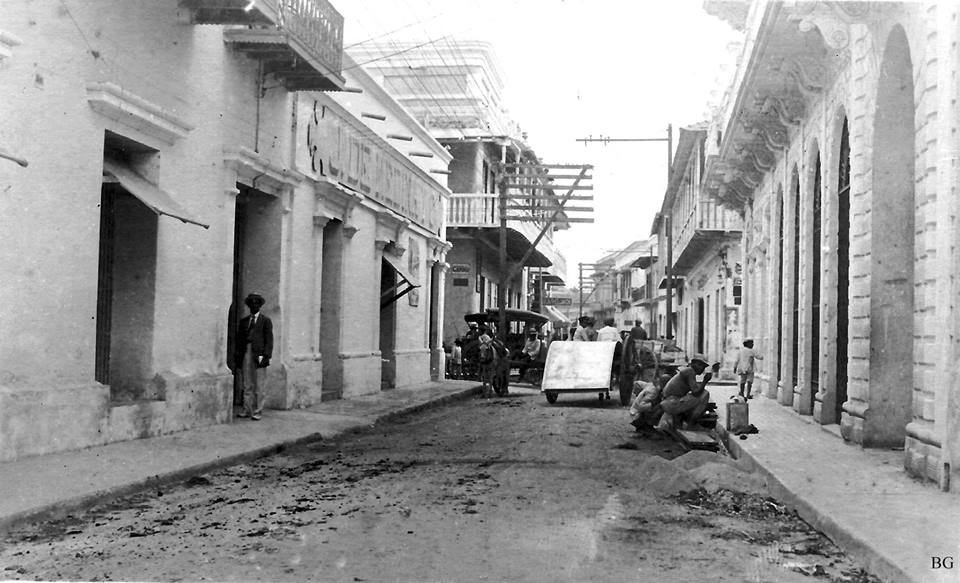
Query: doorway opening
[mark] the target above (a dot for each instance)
(388, 329)
(843, 270)
(126, 277)
(256, 265)
(331, 294)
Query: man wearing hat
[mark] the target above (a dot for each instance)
(254, 348)
(684, 398)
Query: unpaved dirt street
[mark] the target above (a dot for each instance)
(504, 489)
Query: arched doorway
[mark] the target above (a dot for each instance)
(843, 271)
(816, 208)
(892, 249)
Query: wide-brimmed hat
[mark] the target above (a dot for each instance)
(699, 358)
(253, 297)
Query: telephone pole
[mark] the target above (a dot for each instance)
(668, 268)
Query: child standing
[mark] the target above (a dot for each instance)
(746, 366)
(456, 359)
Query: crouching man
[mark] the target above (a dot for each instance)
(684, 399)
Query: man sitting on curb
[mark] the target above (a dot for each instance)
(684, 399)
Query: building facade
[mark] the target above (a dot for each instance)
(192, 154)
(840, 146)
(455, 90)
(704, 244)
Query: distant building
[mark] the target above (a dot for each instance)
(704, 252)
(455, 90)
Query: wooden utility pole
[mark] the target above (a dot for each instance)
(668, 267)
(533, 194)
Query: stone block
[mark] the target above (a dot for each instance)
(851, 428)
(361, 373)
(304, 381)
(48, 419)
(136, 420)
(413, 366)
(196, 401)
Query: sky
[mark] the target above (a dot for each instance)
(584, 68)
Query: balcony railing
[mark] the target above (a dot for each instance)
(705, 215)
(483, 210)
(310, 30)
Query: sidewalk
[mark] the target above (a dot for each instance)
(862, 499)
(57, 483)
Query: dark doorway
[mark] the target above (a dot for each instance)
(780, 295)
(795, 268)
(330, 309)
(815, 291)
(125, 295)
(256, 263)
(126, 280)
(843, 270)
(701, 318)
(388, 328)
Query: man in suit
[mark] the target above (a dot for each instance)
(254, 348)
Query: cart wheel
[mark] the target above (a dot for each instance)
(551, 396)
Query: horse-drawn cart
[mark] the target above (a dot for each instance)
(579, 367)
(519, 323)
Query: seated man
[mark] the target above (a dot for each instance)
(684, 399)
(529, 354)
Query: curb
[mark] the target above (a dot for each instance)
(873, 561)
(82, 502)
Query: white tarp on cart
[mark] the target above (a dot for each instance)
(578, 366)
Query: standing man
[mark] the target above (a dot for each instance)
(608, 333)
(254, 348)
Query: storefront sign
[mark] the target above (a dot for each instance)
(459, 268)
(548, 301)
(337, 150)
(461, 282)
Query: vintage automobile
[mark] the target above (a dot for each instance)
(519, 323)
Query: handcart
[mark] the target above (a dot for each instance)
(578, 367)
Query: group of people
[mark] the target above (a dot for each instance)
(680, 401)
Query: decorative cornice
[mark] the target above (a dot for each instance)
(253, 167)
(832, 19)
(335, 201)
(118, 104)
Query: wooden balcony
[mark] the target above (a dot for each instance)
(482, 211)
(299, 41)
(705, 226)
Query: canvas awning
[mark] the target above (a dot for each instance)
(405, 282)
(149, 194)
(13, 157)
(556, 316)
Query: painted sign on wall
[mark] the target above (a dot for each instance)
(336, 149)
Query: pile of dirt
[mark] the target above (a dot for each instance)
(714, 471)
(663, 477)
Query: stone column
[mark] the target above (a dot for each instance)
(437, 357)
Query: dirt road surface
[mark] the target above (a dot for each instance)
(504, 489)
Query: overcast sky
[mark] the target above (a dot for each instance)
(574, 68)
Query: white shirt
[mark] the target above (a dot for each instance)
(608, 334)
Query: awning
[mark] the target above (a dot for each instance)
(556, 316)
(159, 201)
(405, 282)
(13, 157)
(677, 282)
